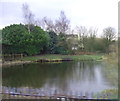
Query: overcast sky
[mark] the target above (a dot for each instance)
(90, 13)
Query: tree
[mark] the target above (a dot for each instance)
(53, 46)
(99, 45)
(73, 42)
(86, 38)
(28, 16)
(48, 24)
(82, 35)
(91, 40)
(109, 34)
(19, 40)
(39, 41)
(62, 44)
(62, 25)
(108, 37)
(13, 34)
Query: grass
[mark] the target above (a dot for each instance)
(111, 71)
(60, 57)
(112, 93)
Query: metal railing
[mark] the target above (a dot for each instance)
(27, 93)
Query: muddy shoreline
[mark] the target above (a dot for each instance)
(11, 63)
(20, 62)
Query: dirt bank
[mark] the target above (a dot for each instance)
(10, 63)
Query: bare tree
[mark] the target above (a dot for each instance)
(108, 36)
(82, 35)
(48, 24)
(86, 37)
(82, 31)
(109, 33)
(62, 25)
(92, 32)
(28, 16)
(40, 23)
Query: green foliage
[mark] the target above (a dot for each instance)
(63, 51)
(94, 45)
(108, 37)
(13, 34)
(17, 39)
(62, 44)
(99, 45)
(57, 43)
(53, 42)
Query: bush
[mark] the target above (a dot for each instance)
(17, 39)
(63, 51)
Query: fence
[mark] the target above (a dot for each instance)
(27, 93)
(11, 57)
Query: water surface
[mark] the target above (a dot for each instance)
(82, 76)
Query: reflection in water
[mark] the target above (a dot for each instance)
(67, 76)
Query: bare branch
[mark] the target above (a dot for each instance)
(27, 14)
(62, 25)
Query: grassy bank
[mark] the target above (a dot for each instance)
(51, 57)
(111, 71)
(111, 93)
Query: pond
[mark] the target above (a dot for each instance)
(85, 76)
